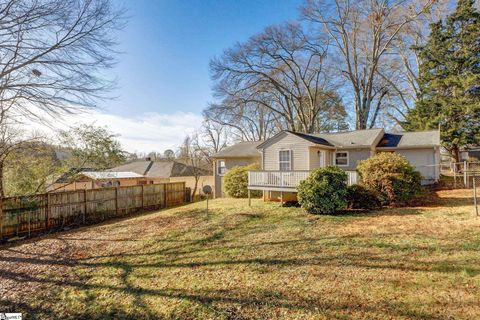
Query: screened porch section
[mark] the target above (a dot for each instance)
(276, 180)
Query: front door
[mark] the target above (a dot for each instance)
(321, 158)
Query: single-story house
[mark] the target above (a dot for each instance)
(90, 179)
(288, 157)
(240, 154)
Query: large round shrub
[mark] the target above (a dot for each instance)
(324, 191)
(391, 176)
(235, 182)
(359, 197)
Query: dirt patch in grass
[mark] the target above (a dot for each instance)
(264, 261)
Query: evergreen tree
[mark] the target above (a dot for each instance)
(449, 79)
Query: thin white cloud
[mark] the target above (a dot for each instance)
(144, 133)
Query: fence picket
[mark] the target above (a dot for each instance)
(42, 212)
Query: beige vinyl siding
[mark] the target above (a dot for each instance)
(299, 152)
(87, 184)
(423, 160)
(354, 156)
(190, 182)
(315, 160)
(230, 163)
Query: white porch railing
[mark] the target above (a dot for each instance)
(265, 180)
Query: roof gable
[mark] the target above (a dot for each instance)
(246, 149)
(312, 138)
(350, 139)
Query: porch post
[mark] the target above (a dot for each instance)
(281, 197)
(249, 199)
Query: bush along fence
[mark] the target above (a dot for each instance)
(24, 215)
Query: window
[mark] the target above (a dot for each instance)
(285, 160)
(341, 158)
(221, 169)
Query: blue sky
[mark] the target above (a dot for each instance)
(163, 72)
(167, 46)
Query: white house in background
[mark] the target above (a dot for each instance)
(288, 157)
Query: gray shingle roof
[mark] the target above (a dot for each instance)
(357, 138)
(241, 149)
(140, 167)
(410, 139)
(349, 139)
(159, 169)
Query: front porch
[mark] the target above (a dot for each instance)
(285, 181)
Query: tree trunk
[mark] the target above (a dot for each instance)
(361, 123)
(2, 195)
(195, 188)
(455, 153)
(2, 190)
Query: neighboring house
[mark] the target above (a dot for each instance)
(158, 171)
(240, 154)
(288, 157)
(90, 179)
(133, 173)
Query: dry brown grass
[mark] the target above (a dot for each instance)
(255, 263)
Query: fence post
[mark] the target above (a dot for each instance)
(465, 178)
(165, 194)
(454, 176)
(475, 193)
(2, 218)
(84, 205)
(116, 201)
(142, 196)
(47, 211)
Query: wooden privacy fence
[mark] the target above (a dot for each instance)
(42, 212)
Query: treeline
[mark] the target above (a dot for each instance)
(403, 65)
(32, 165)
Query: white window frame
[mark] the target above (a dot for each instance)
(322, 157)
(224, 166)
(289, 160)
(341, 165)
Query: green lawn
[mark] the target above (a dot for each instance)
(263, 262)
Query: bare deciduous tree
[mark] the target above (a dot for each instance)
(281, 75)
(193, 157)
(400, 68)
(212, 138)
(363, 33)
(52, 53)
(247, 121)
